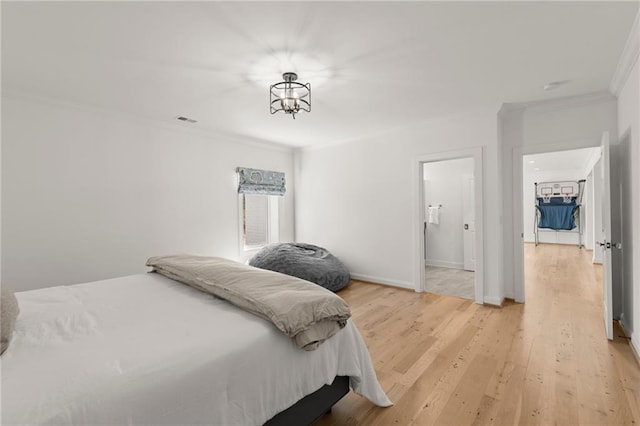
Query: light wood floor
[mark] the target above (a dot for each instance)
(448, 361)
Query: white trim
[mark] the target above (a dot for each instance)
(594, 157)
(444, 264)
(383, 281)
(627, 59)
(560, 145)
(634, 346)
(493, 301)
(518, 292)
(418, 217)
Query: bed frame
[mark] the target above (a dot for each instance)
(312, 407)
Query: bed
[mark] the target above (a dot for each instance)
(145, 349)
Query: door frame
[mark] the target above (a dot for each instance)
(518, 200)
(465, 231)
(419, 214)
(606, 233)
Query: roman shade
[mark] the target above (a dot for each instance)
(256, 181)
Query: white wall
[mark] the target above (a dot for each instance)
(529, 178)
(629, 129)
(89, 195)
(357, 199)
(543, 127)
(444, 185)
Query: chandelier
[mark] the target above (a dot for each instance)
(290, 96)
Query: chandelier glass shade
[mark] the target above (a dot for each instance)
(290, 96)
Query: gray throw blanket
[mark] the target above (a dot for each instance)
(302, 310)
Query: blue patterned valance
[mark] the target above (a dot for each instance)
(256, 181)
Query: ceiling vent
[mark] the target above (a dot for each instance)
(186, 119)
(554, 85)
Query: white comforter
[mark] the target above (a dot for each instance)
(144, 349)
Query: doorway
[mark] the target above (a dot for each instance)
(547, 220)
(593, 226)
(449, 228)
(572, 172)
(448, 223)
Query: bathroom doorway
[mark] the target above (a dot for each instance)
(449, 224)
(449, 228)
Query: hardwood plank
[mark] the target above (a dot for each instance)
(416, 396)
(510, 407)
(463, 405)
(628, 373)
(445, 360)
(486, 412)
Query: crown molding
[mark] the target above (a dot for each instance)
(414, 126)
(628, 58)
(548, 105)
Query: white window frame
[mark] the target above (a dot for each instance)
(273, 225)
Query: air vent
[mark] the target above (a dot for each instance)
(554, 85)
(187, 119)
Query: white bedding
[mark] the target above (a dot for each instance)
(144, 349)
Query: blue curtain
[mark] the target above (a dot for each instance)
(256, 181)
(557, 213)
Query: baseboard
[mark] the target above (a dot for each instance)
(540, 243)
(443, 264)
(385, 281)
(595, 258)
(495, 301)
(635, 350)
(622, 322)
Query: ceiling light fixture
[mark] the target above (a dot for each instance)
(290, 96)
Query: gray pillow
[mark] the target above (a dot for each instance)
(8, 313)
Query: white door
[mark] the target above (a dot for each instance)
(605, 236)
(469, 224)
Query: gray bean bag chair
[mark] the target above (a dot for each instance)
(306, 261)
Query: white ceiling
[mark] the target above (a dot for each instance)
(575, 160)
(373, 66)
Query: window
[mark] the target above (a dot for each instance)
(260, 193)
(259, 220)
